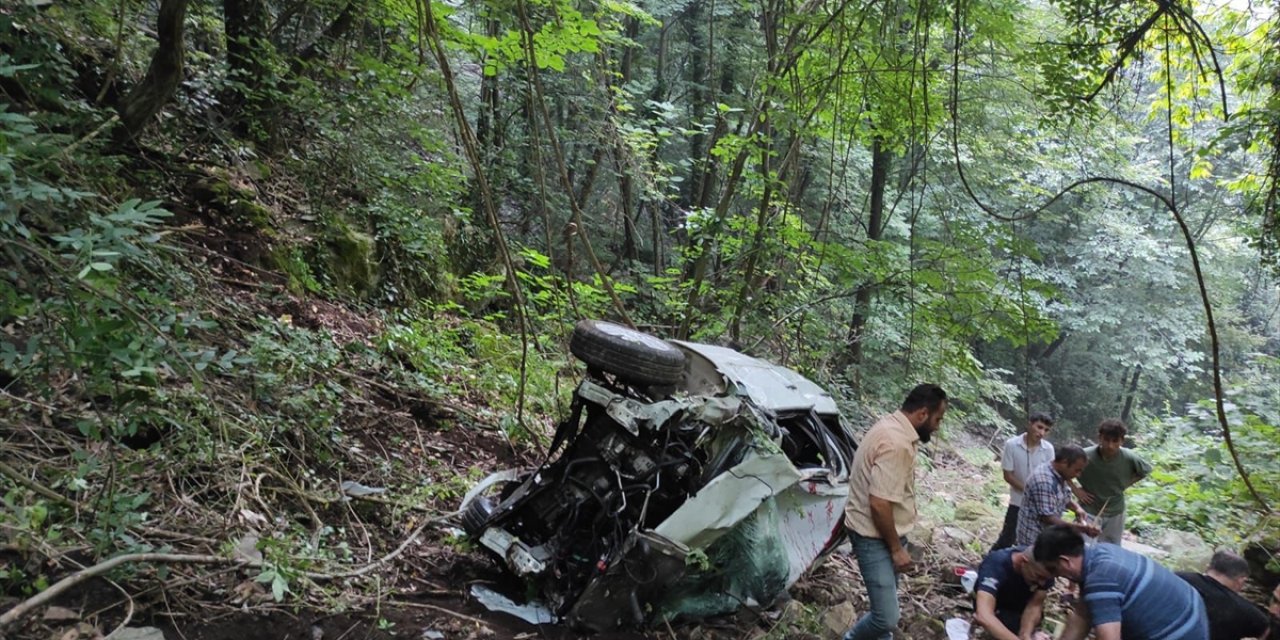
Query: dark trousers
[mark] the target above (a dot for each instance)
(1010, 531)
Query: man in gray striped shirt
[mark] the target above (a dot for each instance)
(1124, 595)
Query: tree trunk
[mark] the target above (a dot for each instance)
(245, 24)
(880, 160)
(489, 99)
(334, 32)
(698, 103)
(626, 183)
(164, 74)
(1127, 412)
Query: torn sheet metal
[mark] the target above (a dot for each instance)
(811, 511)
(727, 499)
(631, 414)
(773, 388)
(532, 612)
(748, 566)
(489, 481)
(352, 489)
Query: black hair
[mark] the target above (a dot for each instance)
(1057, 541)
(1068, 453)
(1112, 428)
(1229, 564)
(924, 396)
(1040, 416)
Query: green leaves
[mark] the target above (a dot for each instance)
(567, 32)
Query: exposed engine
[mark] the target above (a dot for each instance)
(574, 512)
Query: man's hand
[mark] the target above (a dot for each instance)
(901, 560)
(1081, 515)
(1040, 635)
(1083, 496)
(1088, 530)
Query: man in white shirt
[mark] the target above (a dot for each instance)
(1023, 454)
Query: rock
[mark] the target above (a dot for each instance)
(957, 534)
(1145, 549)
(837, 620)
(791, 615)
(1259, 555)
(60, 614)
(352, 261)
(1187, 552)
(138, 633)
(970, 510)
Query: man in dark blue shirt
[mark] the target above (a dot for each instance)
(1123, 594)
(1009, 594)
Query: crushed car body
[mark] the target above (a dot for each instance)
(687, 480)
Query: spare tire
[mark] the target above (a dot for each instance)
(626, 353)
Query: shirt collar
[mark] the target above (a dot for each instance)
(904, 425)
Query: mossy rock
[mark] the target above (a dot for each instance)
(289, 260)
(969, 510)
(351, 260)
(235, 204)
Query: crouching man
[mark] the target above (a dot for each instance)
(1231, 617)
(1009, 595)
(1123, 594)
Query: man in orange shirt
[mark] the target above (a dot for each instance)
(882, 503)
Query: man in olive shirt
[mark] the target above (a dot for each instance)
(1110, 470)
(882, 503)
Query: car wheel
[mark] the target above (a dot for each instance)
(476, 516)
(629, 354)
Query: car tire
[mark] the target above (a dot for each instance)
(476, 516)
(630, 355)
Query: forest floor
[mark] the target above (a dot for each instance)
(426, 592)
(413, 573)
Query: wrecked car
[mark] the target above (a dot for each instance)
(687, 480)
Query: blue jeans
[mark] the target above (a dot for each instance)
(876, 565)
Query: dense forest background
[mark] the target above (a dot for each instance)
(235, 232)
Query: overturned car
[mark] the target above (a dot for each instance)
(687, 480)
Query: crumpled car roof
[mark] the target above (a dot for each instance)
(774, 388)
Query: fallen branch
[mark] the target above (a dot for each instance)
(387, 558)
(40, 489)
(432, 607)
(128, 615)
(44, 597)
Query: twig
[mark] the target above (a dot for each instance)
(128, 614)
(75, 145)
(387, 558)
(432, 607)
(44, 491)
(23, 608)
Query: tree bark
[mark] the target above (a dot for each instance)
(245, 25)
(1127, 412)
(320, 47)
(164, 74)
(880, 160)
(487, 117)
